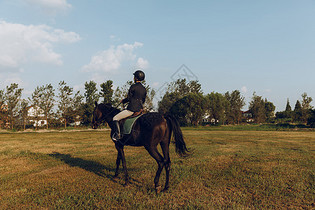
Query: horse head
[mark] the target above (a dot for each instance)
(101, 113)
(97, 115)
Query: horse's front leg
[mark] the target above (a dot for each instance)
(120, 150)
(117, 164)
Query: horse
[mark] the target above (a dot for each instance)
(149, 130)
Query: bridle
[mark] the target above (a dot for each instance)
(97, 122)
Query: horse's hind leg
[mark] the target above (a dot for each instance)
(167, 163)
(159, 159)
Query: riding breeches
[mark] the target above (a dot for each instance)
(123, 114)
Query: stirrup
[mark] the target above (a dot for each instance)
(114, 137)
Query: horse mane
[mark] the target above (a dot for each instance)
(108, 108)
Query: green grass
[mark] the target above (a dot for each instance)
(228, 168)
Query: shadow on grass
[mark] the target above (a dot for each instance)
(87, 165)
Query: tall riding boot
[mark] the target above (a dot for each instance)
(116, 136)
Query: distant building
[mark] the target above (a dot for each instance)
(248, 116)
(36, 116)
(77, 121)
(209, 120)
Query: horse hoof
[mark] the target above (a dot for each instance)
(165, 189)
(127, 182)
(158, 189)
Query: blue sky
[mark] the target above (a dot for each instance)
(263, 46)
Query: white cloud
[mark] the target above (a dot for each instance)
(24, 44)
(142, 63)
(52, 7)
(111, 59)
(8, 78)
(244, 89)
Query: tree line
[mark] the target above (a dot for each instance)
(185, 100)
(61, 107)
(191, 106)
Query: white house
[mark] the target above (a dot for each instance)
(248, 116)
(36, 116)
(207, 119)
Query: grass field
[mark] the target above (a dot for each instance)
(239, 169)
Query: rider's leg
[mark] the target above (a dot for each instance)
(116, 136)
(121, 115)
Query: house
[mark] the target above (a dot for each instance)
(77, 121)
(209, 120)
(36, 116)
(248, 116)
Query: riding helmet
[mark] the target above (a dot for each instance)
(139, 75)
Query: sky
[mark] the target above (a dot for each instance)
(266, 47)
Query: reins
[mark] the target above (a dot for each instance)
(113, 109)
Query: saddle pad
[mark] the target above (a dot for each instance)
(129, 123)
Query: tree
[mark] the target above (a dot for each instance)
(196, 107)
(91, 92)
(24, 112)
(76, 107)
(64, 106)
(2, 98)
(236, 103)
(117, 96)
(177, 90)
(269, 110)
(3, 112)
(107, 91)
(190, 109)
(285, 115)
(148, 104)
(311, 119)
(298, 113)
(288, 107)
(306, 107)
(288, 110)
(306, 102)
(257, 108)
(167, 102)
(12, 98)
(35, 101)
(91, 96)
(216, 106)
(47, 101)
(179, 110)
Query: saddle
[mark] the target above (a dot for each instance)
(135, 114)
(127, 124)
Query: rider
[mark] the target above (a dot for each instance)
(136, 98)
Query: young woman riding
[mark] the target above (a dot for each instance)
(136, 98)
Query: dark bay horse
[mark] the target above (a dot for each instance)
(148, 131)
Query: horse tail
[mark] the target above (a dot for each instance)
(180, 145)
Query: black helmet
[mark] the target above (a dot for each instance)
(139, 75)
